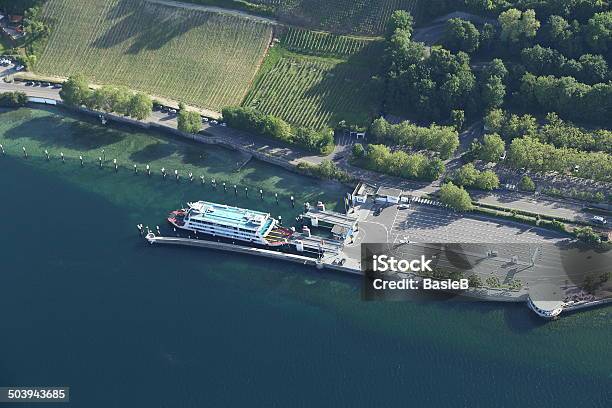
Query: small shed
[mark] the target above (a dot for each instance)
(388, 195)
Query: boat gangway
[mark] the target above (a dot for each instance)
(330, 218)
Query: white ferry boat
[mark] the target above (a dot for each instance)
(233, 223)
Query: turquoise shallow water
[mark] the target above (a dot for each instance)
(85, 303)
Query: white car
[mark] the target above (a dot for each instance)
(223, 124)
(204, 120)
(600, 220)
(214, 122)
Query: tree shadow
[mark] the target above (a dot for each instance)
(352, 90)
(153, 152)
(149, 27)
(55, 132)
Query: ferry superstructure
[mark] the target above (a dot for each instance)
(219, 220)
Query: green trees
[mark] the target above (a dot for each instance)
(510, 126)
(567, 97)
(487, 180)
(588, 68)
(432, 83)
(565, 134)
(493, 148)
(493, 92)
(400, 20)
(466, 175)
(13, 99)
(469, 176)
(458, 119)
(189, 121)
(120, 99)
(140, 106)
(518, 26)
(441, 139)
(528, 152)
(401, 164)
(75, 91)
(526, 184)
(455, 197)
(461, 35)
(599, 32)
(586, 234)
(251, 120)
(358, 151)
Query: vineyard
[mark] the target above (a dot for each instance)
(202, 58)
(316, 92)
(366, 17)
(323, 44)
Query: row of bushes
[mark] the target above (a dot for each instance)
(75, 92)
(515, 216)
(555, 131)
(326, 170)
(530, 153)
(251, 120)
(13, 99)
(597, 197)
(441, 139)
(379, 158)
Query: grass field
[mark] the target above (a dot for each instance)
(367, 17)
(202, 58)
(315, 91)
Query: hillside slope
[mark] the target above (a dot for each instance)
(202, 58)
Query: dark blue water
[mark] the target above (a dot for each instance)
(85, 303)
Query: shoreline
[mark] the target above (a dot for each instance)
(481, 294)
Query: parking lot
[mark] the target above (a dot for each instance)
(427, 223)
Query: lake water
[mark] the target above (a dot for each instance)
(85, 303)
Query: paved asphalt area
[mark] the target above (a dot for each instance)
(424, 223)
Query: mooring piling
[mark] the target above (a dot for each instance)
(2, 148)
(115, 163)
(163, 171)
(148, 170)
(190, 176)
(261, 194)
(276, 197)
(292, 202)
(62, 157)
(47, 154)
(236, 190)
(81, 159)
(224, 188)
(100, 161)
(135, 169)
(246, 192)
(176, 174)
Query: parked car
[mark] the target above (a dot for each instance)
(204, 119)
(223, 124)
(214, 122)
(599, 220)
(403, 206)
(57, 86)
(172, 111)
(377, 211)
